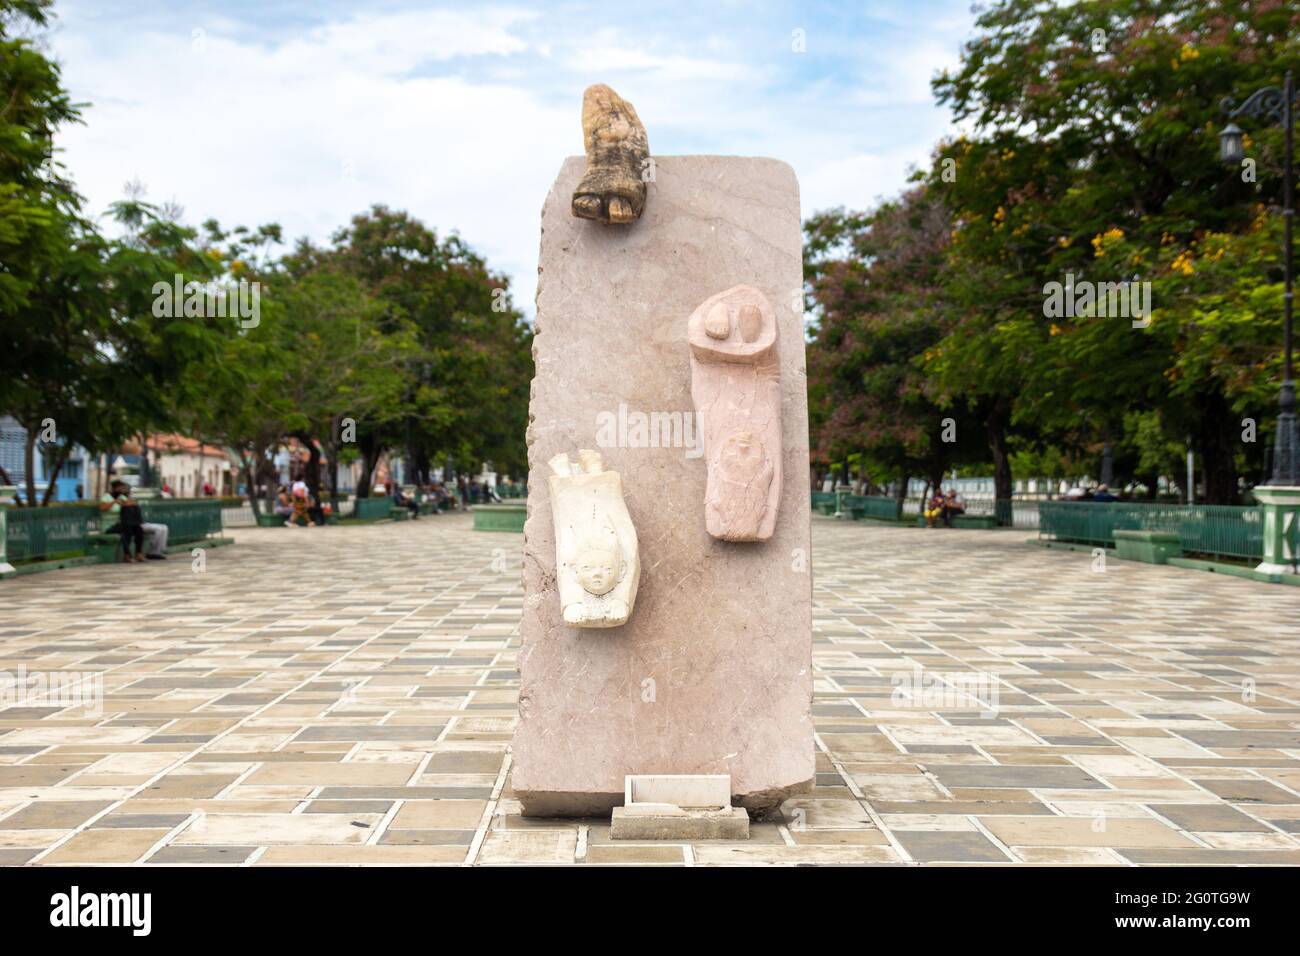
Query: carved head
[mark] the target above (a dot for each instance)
(599, 565)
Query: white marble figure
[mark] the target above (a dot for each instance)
(597, 567)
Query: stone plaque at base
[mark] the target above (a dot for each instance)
(712, 673)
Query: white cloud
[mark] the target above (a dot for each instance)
(462, 117)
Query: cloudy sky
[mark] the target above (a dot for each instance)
(304, 112)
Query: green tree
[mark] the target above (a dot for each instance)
(875, 280)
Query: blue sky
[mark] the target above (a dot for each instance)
(304, 113)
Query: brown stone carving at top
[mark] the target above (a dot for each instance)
(736, 387)
(613, 188)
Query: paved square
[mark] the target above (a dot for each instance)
(347, 695)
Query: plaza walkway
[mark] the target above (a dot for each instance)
(347, 695)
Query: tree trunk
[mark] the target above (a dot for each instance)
(29, 462)
(250, 479)
(1216, 441)
(998, 418)
(1152, 482)
(332, 452)
(370, 452)
(64, 452)
(312, 477)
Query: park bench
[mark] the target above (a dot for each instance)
(974, 521)
(189, 521)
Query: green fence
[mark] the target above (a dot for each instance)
(38, 534)
(1228, 531)
(861, 506)
(369, 509)
(186, 519)
(872, 506)
(41, 534)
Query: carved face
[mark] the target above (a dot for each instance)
(598, 567)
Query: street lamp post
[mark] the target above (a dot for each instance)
(1280, 496)
(1277, 106)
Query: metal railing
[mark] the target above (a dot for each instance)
(187, 519)
(1230, 531)
(39, 534)
(42, 534)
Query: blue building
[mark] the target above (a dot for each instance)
(13, 442)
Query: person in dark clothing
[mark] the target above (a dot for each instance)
(402, 500)
(131, 525)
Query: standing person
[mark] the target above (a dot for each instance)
(315, 513)
(462, 489)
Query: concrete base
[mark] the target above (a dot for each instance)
(1281, 507)
(665, 822)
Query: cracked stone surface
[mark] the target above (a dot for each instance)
(712, 673)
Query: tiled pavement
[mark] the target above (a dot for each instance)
(347, 695)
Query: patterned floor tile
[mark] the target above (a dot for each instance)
(1029, 711)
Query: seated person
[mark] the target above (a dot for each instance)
(953, 504)
(935, 509)
(301, 515)
(283, 505)
(408, 502)
(131, 523)
(111, 502)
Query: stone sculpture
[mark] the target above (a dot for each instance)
(597, 564)
(712, 673)
(736, 387)
(613, 189)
